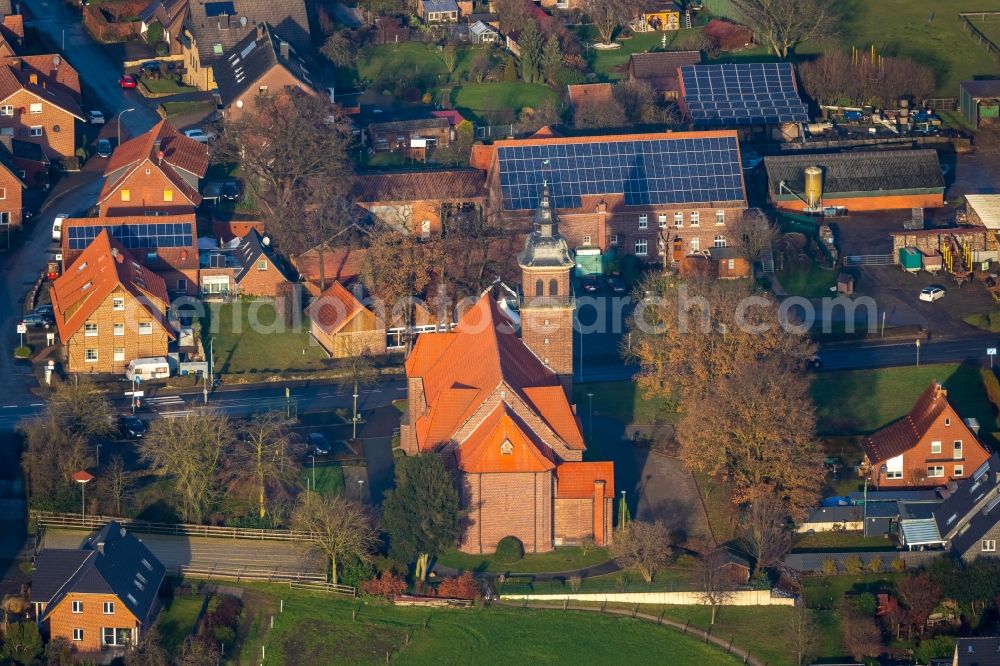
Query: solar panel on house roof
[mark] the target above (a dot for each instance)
(219, 9)
(134, 236)
(742, 94)
(657, 171)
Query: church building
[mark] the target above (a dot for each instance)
(496, 407)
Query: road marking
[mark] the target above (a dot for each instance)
(10, 406)
(400, 388)
(37, 404)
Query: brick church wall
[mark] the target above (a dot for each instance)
(501, 505)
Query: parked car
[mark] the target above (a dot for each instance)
(57, 226)
(318, 444)
(590, 284)
(45, 310)
(35, 320)
(95, 117)
(815, 362)
(150, 66)
(126, 81)
(103, 148)
(131, 427)
(617, 285)
(199, 135)
(232, 190)
(932, 293)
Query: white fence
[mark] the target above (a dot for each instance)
(739, 598)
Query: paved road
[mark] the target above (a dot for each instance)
(97, 69)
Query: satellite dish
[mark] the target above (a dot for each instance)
(266, 240)
(56, 60)
(243, 21)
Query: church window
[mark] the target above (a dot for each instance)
(553, 287)
(506, 448)
(539, 288)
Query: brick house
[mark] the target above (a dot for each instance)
(930, 446)
(212, 28)
(966, 520)
(423, 201)
(262, 63)
(40, 103)
(98, 598)
(165, 244)
(659, 197)
(156, 173)
(438, 11)
(11, 191)
(109, 309)
(659, 70)
(248, 266)
(168, 13)
(503, 423)
(29, 161)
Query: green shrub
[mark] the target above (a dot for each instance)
(154, 33)
(22, 352)
(162, 49)
(992, 385)
(852, 565)
(509, 550)
(829, 566)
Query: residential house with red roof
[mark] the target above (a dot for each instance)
(40, 103)
(156, 173)
(495, 407)
(248, 266)
(930, 446)
(164, 244)
(11, 191)
(343, 325)
(109, 309)
(658, 70)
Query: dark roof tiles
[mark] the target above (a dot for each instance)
(868, 171)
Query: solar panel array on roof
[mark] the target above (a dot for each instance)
(750, 93)
(219, 9)
(646, 172)
(133, 236)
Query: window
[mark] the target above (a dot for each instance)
(90, 355)
(109, 608)
(6, 110)
(35, 108)
(614, 239)
(3, 192)
(643, 221)
(935, 471)
(731, 264)
(506, 448)
(4, 218)
(678, 219)
(553, 287)
(959, 470)
(539, 288)
(182, 284)
(263, 90)
(145, 328)
(720, 217)
(119, 353)
(77, 606)
(935, 447)
(989, 545)
(947, 422)
(90, 330)
(262, 265)
(217, 49)
(149, 171)
(720, 241)
(958, 449)
(168, 195)
(119, 329)
(35, 131)
(894, 474)
(695, 218)
(662, 219)
(586, 240)
(894, 468)
(126, 195)
(118, 303)
(78, 634)
(113, 636)
(641, 247)
(695, 245)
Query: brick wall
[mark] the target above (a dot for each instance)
(978, 239)
(10, 197)
(276, 81)
(134, 344)
(873, 202)
(265, 282)
(146, 188)
(63, 620)
(573, 520)
(503, 505)
(976, 550)
(55, 144)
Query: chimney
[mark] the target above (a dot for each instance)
(260, 31)
(283, 47)
(599, 510)
(100, 547)
(156, 143)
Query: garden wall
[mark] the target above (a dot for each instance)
(739, 598)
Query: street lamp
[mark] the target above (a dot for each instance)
(119, 123)
(314, 471)
(83, 478)
(354, 419)
(918, 352)
(590, 418)
(361, 485)
(98, 463)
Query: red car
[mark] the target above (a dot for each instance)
(126, 81)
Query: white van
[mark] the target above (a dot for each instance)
(148, 368)
(57, 226)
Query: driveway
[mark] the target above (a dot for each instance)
(97, 70)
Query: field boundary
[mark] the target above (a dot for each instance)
(984, 41)
(75, 521)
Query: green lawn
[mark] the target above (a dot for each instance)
(477, 99)
(165, 85)
(810, 281)
(718, 506)
(622, 401)
(839, 541)
(561, 559)
(608, 64)
(988, 321)
(388, 63)
(179, 108)
(989, 26)
(177, 620)
(861, 401)
(316, 629)
(329, 478)
(248, 340)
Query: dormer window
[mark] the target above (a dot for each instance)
(506, 449)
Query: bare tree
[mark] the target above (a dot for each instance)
(920, 595)
(715, 583)
(609, 15)
(860, 634)
(189, 450)
(644, 547)
(263, 463)
(752, 234)
(83, 409)
(360, 372)
(802, 633)
(784, 24)
(324, 218)
(117, 480)
(593, 114)
(764, 533)
(341, 528)
(864, 78)
(52, 453)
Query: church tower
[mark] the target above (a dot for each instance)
(547, 304)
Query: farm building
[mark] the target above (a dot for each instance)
(983, 211)
(659, 70)
(863, 181)
(979, 101)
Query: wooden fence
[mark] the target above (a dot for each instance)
(985, 41)
(75, 521)
(251, 574)
(323, 586)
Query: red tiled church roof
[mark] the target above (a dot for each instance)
(502, 444)
(902, 435)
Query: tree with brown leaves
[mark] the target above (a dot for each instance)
(340, 527)
(860, 634)
(919, 595)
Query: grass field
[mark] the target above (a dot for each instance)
(178, 108)
(989, 26)
(608, 64)
(861, 401)
(249, 339)
(319, 629)
(561, 559)
(839, 541)
(988, 321)
(388, 63)
(176, 621)
(477, 99)
(810, 281)
(329, 478)
(623, 401)
(166, 85)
